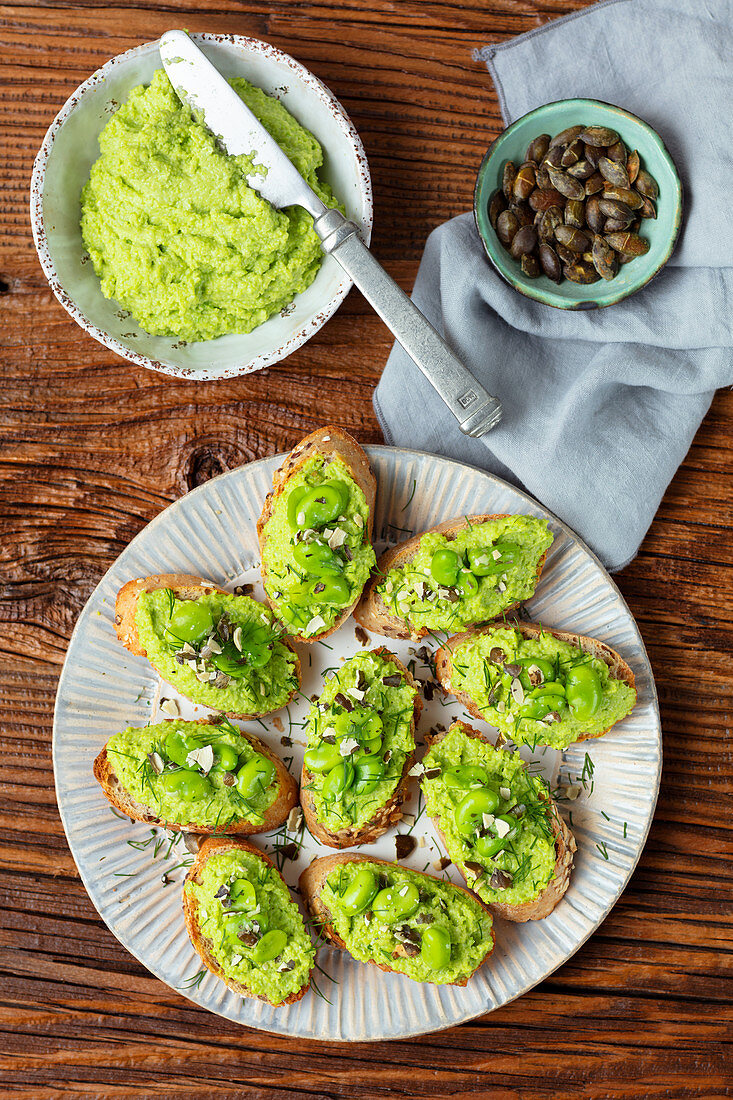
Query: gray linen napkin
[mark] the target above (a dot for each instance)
(599, 407)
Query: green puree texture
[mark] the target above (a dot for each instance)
(472, 672)
(128, 753)
(260, 692)
(395, 706)
(285, 576)
(277, 910)
(467, 923)
(175, 233)
(531, 858)
(426, 608)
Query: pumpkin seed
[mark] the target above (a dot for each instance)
(554, 156)
(522, 213)
(593, 154)
(549, 262)
(566, 254)
(612, 208)
(530, 266)
(524, 240)
(646, 186)
(617, 152)
(575, 213)
(543, 199)
(593, 216)
(613, 172)
(573, 152)
(507, 180)
(604, 258)
(549, 221)
(525, 182)
(613, 225)
(506, 227)
(538, 147)
(566, 136)
(632, 166)
(624, 194)
(574, 239)
(581, 272)
(648, 209)
(581, 170)
(630, 244)
(497, 203)
(566, 185)
(599, 135)
(594, 184)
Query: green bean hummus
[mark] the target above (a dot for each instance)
(470, 577)
(222, 651)
(493, 816)
(253, 927)
(539, 691)
(175, 233)
(182, 771)
(316, 552)
(423, 927)
(359, 736)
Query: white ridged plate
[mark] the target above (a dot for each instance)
(103, 689)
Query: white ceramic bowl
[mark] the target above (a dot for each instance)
(70, 148)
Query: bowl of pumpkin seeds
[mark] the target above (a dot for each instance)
(578, 204)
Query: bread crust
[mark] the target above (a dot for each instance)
(184, 586)
(275, 815)
(311, 883)
(617, 666)
(388, 814)
(373, 613)
(213, 846)
(331, 442)
(565, 848)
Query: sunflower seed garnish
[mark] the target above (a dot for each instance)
(170, 706)
(500, 880)
(156, 762)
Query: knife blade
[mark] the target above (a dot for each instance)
(199, 84)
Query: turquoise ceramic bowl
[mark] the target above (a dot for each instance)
(661, 232)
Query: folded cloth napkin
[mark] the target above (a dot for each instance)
(600, 407)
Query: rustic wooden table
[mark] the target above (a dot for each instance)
(93, 448)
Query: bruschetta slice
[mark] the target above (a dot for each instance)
(244, 924)
(538, 686)
(202, 777)
(360, 747)
(499, 824)
(462, 572)
(315, 534)
(400, 920)
(224, 651)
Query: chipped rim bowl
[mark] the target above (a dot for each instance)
(70, 148)
(551, 118)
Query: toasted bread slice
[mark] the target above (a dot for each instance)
(331, 442)
(211, 847)
(374, 614)
(565, 848)
(617, 666)
(388, 814)
(185, 587)
(276, 814)
(311, 883)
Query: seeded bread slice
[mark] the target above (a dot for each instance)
(388, 814)
(184, 587)
(375, 615)
(313, 879)
(275, 815)
(617, 666)
(210, 847)
(565, 848)
(332, 443)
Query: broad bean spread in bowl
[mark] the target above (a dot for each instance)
(150, 236)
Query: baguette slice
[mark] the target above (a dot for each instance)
(274, 816)
(374, 614)
(185, 587)
(617, 666)
(330, 442)
(311, 883)
(388, 814)
(211, 847)
(565, 848)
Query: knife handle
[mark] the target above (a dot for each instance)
(476, 411)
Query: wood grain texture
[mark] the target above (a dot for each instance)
(92, 448)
